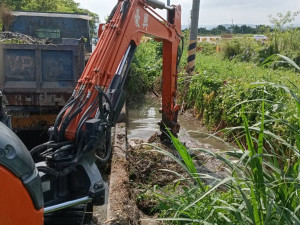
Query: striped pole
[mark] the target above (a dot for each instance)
(191, 57)
(193, 37)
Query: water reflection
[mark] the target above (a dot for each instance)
(143, 119)
(143, 123)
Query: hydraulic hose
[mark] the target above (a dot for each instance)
(182, 47)
(69, 103)
(109, 104)
(69, 118)
(112, 13)
(39, 148)
(56, 173)
(107, 147)
(84, 117)
(68, 169)
(62, 112)
(62, 149)
(106, 158)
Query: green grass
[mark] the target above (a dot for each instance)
(262, 185)
(221, 87)
(259, 107)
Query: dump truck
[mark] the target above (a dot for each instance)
(38, 78)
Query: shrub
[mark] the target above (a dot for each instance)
(145, 69)
(6, 17)
(243, 49)
(231, 49)
(206, 48)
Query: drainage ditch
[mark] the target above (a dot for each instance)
(134, 170)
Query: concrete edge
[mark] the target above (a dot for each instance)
(119, 210)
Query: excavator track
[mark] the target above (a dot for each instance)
(70, 216)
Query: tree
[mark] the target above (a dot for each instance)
(221, 28)
(16, 4)
(283, 19)
(235, 29)
(280, 22)
(6, 17)
(263, 29)
(247, 30)
(42, 6)
(203, 31)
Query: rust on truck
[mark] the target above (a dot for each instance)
(37, 81)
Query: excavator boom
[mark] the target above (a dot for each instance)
(108, 66)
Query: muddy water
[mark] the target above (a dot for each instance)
(143, 118)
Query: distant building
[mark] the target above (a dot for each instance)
(211, 39)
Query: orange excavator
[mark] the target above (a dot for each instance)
(53, 182)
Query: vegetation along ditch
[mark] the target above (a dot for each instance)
(246, 93)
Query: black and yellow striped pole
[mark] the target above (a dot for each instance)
(193, 37)
(191, 57)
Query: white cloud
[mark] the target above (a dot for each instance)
(102, 8)
(244, 11)
(214, 11)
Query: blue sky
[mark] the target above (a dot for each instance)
(214, 12)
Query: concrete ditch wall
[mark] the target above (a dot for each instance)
(121, 209)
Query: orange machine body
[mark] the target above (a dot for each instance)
(15, 196)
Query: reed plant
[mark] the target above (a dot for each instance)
(261, 185)
(262, 182)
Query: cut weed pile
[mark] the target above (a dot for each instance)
(8, 37)
(154, 172)
(148, 170)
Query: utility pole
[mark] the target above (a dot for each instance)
(193, 37)
(168, 4)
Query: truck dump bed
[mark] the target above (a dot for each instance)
(37, 80)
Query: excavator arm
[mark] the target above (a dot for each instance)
(62, 173)
(108, 67)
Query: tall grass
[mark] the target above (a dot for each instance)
(219, 85)
(262, 182)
